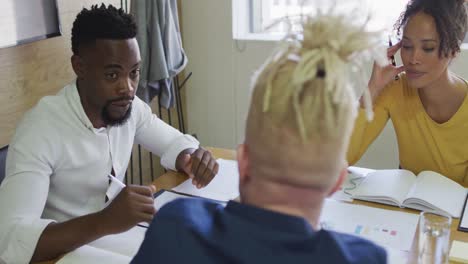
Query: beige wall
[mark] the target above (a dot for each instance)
(30, 71)
(218, 95)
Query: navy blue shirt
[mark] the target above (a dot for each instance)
(200, 231)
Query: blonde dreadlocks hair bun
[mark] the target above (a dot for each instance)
(307, 87)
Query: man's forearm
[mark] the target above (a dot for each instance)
(60, 238)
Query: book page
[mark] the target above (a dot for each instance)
(88, 254)
(385, 186)
(223, 187)
(440, 192)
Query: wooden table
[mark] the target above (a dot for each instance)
(171, 179)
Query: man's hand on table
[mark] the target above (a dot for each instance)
(199, 165)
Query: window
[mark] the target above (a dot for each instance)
(23, 21)
(266, 13)
(262, 19)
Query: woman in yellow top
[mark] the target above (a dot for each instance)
(428, 104)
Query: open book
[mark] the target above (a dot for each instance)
(428, 191)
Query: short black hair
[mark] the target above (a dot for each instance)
(101, 23)
(450, 17)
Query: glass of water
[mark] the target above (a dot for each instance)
(434, 238)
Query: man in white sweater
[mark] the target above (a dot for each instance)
(55, 196)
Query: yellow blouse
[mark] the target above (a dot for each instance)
(423, 144)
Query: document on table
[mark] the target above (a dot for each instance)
(354, 177)
(384, 227)
(163, 197)
(223, 187)
(459, 252)
(89, 254)
(396, 256)
(118, 248)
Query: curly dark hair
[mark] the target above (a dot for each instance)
(101, 23)
(450, 17)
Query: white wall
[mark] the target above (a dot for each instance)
(218, 92)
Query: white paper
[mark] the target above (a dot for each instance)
(396, 256)
(354, 177)
(126, 243)
(223, 187)
(359, 171)
(166, 197)
(163, 199)
(340, 195)
(384, 227)
(88, 254)
(459, 252)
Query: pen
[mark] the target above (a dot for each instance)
(392, 58)
(116, 181)
(115, 186)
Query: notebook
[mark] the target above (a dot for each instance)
(427, 191)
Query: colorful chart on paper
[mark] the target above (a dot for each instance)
(385, 227)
